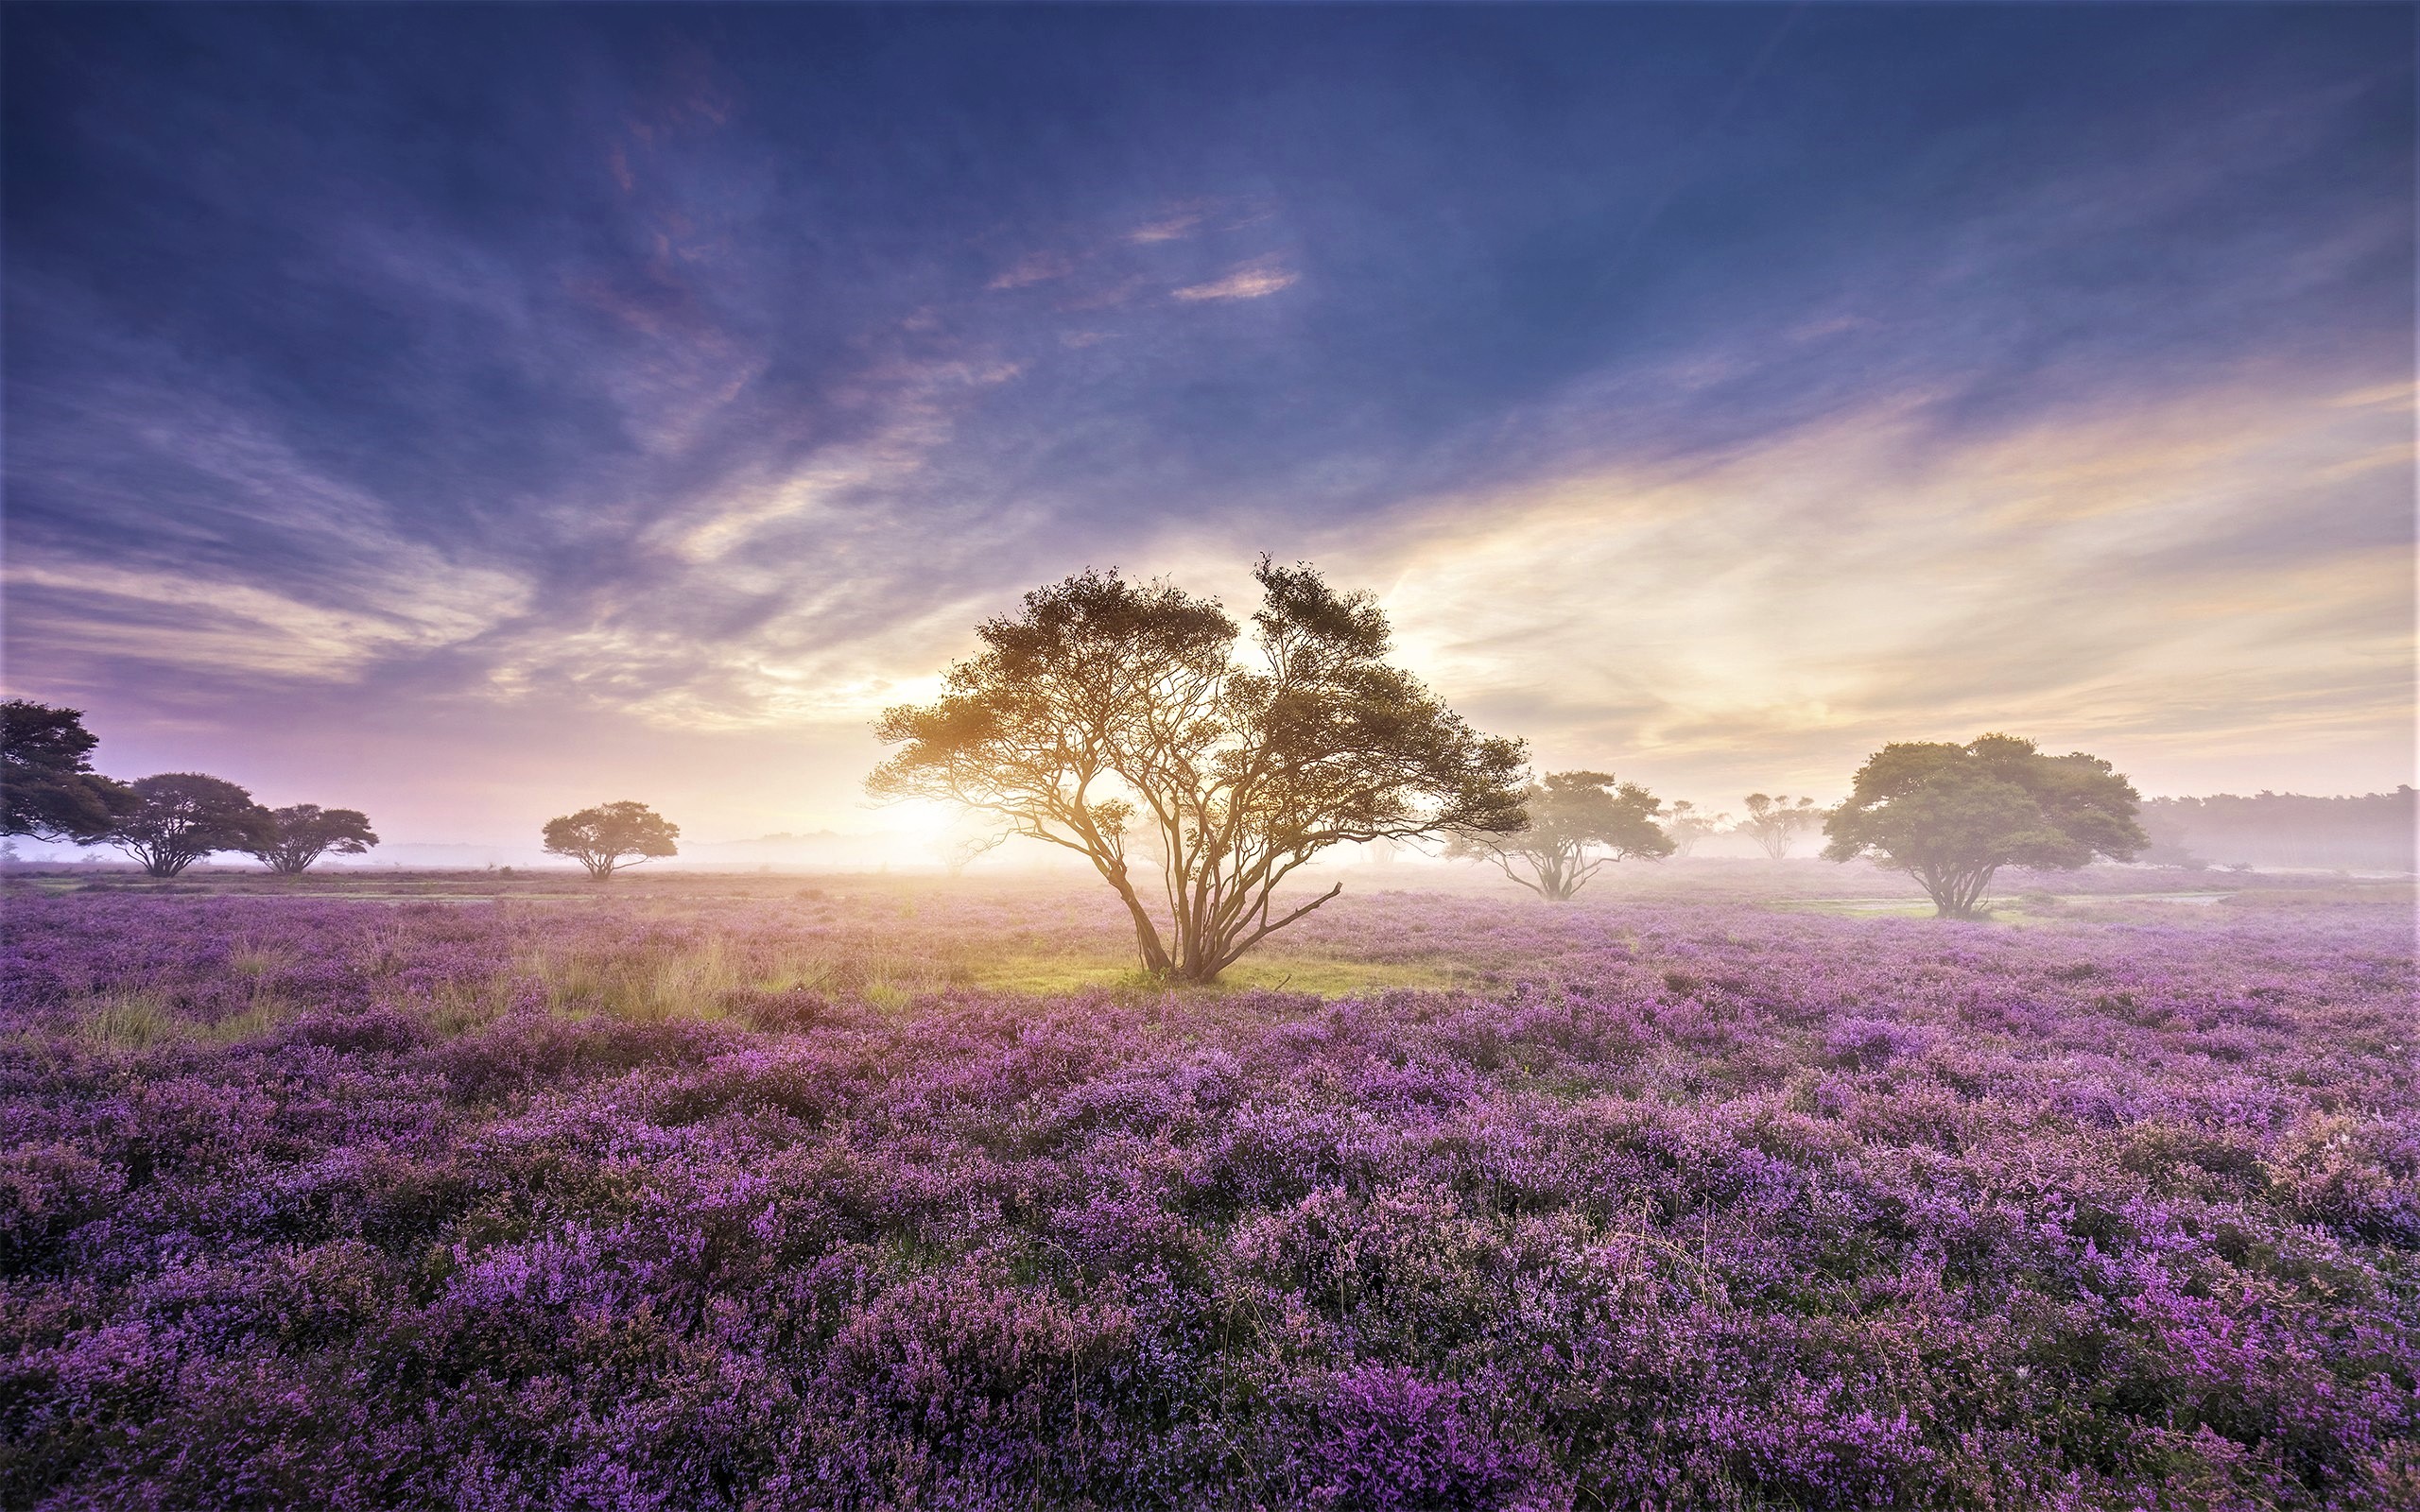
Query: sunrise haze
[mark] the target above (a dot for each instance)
(470, 416)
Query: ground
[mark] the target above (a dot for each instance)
(1729, 1185)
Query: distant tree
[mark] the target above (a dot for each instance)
(1110, 720)
(1775, 823)
(962, 850)
(306, 832)
(1579, 823)
(48, 789)
(178, 817)
(607, 837)
(1686, 825)
(1951, 815)
(2373, 831)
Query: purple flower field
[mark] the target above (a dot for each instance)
(672, 1199)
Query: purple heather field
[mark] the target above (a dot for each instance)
(755, 1192)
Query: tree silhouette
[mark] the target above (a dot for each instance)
(1951, 815)
(959, 852)
(48, 789)
(178, 817)
(306, 832)
(607, 837)
(1579, 823)
(1775, 823)
(1683, 821)
(1110, 718)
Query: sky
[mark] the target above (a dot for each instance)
(471, 414)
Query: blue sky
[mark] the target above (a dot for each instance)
(464, 414)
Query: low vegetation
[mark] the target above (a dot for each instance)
(719, 1193)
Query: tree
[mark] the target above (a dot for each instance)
(1776, 823)
(600, 838)
(306, 832)
(1579, 823)
(1687, 826)
(48, 789)
(961, 850)
(1951, 816)
(1110, 719)
(178, 817)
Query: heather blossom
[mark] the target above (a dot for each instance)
(773, 1202)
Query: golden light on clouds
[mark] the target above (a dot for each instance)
(2178, 580)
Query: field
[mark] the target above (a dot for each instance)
(1729, 1186)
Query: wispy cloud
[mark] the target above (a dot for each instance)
(1254, 280)
(1173, 226)
(1038, 268)
(651, 404)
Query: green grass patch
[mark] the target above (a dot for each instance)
(140, 1021)
(1856, 907)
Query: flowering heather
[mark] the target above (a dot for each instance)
(672, 1200)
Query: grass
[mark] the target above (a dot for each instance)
(139, 1020)
(1319, 975)
(2027, 908)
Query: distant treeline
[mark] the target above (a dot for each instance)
(2373, 832)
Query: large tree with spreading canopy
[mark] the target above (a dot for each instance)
(178, 817)
(612, 838)
(48, 789)
(1112, 720)
(304, 832)
(1951, 815)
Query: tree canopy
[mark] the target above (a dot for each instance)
(1951, 815)
(306, 832)
(1111, 718)
(48, 789)
(1578, 823)
(1775, 823)
(612, 836)
(178, 817)
(1686, 825)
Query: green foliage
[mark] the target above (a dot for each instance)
(48, 789)
(611, 836)
(1951, 815)
(1110, 720)
(1578, 823)
(178, 818)
(306, 832)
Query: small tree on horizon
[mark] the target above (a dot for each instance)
(1109, 718)
(48, 790)
(306, 832)
(1775, 823)
(178, 817)
(1687, 825)
(1579, 823)
(603, 839)
(1951, 815)
(959, 852)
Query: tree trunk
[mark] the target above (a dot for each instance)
(1146, 935)
(163, 863)
(1956, 894)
